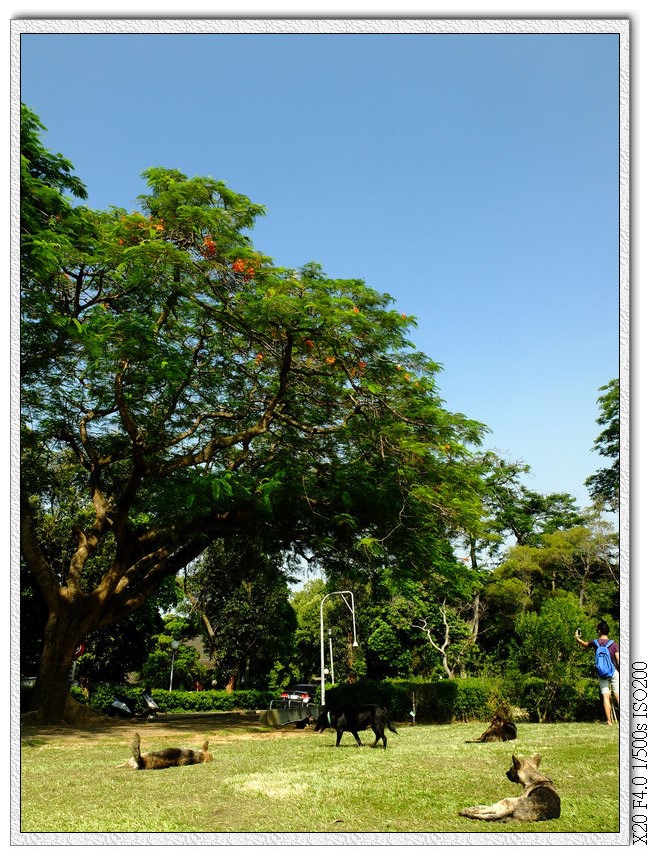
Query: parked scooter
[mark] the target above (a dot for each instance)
(125, 707)
(151, 708)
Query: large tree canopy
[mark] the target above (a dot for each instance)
(186, 388)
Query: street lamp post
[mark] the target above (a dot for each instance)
(331, 656)
(350, 606)
(175, 645)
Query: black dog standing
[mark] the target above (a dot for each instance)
(353, 720)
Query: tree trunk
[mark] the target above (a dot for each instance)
(74, 613)
(472, 553)
(441, 649)
(476, 618)
(63, 634)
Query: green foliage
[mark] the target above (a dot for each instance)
(476, 699)
(103, 695)
(119, 649)
(238, 593)
(156, 669)
(514, 509)
(547, 647)
(580, 562)
(305, 661)
(176, 626)
(604, 484)
(439, 702)
(442, 702)
(465, 698)
(390, 652)
(47, 219)
(214, 701)
(576, 700)
(395, 699)
(186, 389)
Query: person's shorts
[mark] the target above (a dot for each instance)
(609, 684)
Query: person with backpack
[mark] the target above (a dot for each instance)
(607, 662)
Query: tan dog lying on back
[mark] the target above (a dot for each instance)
(166, 758)
(539, 801)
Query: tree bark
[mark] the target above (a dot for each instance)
(442, 648)
(139, 566)
(63, 633)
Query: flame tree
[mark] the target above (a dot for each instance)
(179, 387)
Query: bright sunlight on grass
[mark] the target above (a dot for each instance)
(264, 780)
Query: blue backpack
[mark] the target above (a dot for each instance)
(604, 664)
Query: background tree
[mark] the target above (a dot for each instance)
(515, 511)
(120, 649)
(584, 560)
(580, 562)
(604, 484)
(388, 650)
(304, 665)
(442, 626)
(196, 392)
(156, 670)
(547, 647)
(240, 594)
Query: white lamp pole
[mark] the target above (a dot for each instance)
(175, 645)
(350, 606)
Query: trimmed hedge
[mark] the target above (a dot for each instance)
(177, 701)
(440, 702)
(212, 701)
(449, 700)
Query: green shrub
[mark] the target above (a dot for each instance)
(587, 705)
(443, 703)
(534, 698)
(369, 691)
(102, 695)
(577, 700)
(176, 701)
(471, 699)
(211, 701)
(440, 702)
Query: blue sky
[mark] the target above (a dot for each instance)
(474, 178)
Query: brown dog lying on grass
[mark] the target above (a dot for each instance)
(539, 801)
(166, 758)
(501, 729)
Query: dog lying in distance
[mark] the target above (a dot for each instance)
(539, 801)
(501, 729)
(166, 758)
(355, 719)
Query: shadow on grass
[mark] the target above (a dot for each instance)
(186, 722)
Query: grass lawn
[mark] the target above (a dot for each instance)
(266, 780)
